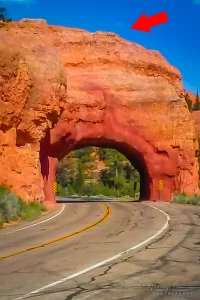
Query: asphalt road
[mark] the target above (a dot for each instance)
(85, 234)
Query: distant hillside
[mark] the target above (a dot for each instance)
(95, 171)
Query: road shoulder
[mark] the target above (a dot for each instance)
(22, 225)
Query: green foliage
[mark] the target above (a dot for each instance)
(3, 15)
(185, 199)
(71, 191)
(32, 210)
(79, 172)
(84, 154)
(12, 208)
(61, 190)
(79, 181)
(102, 153)
(67, 170)
(196, 105)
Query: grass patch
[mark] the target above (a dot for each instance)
(13, 208)
(183, 198)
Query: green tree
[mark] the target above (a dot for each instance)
(3, 14)
(80, 173)
(79, 181)
(114, 160)
(119, 183)
(60, 191)
(102, 153)
(67, 170)
(84, 154)
(196, 105)
(70, 190)
(119, 175)
(188, 101)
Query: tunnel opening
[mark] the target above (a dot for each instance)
(103, 170)
(59, 142)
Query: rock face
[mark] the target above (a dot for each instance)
(63, 89)
(196, 116)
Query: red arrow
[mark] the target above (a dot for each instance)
(145, 23)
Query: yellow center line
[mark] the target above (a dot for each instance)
(105, 216)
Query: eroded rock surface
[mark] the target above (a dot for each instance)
(104, 91)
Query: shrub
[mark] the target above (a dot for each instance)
(70, 190)
(10, 207)
(185, 199)
(61, 190)
(13, 208)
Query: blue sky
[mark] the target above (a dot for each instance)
(178, 40)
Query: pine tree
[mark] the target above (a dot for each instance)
(3, 15)
(79, 179)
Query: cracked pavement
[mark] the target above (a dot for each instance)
(167, 268)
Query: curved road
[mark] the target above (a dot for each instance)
(58, 259)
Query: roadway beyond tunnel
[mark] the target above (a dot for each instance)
(104, 251)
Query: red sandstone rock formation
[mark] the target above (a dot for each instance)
(92, 89)
(196, 116)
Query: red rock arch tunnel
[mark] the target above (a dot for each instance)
(112, 130)
(93, 89)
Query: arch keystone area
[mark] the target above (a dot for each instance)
(64, 89)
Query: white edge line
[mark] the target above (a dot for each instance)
(19, 229)
(103, 262)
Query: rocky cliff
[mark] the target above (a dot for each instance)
(92, 89)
